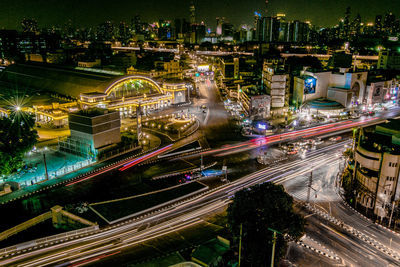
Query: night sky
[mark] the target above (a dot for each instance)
(92, 12)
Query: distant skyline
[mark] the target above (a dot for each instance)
(86, 13)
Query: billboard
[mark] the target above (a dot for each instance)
(260, 105)
(310, 83)
(203, 68)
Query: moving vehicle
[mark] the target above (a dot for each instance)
(335, 138)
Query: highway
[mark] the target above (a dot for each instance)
(110, 241)
(182, 213)
(118, 237)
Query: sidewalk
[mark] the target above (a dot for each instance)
(58, 163)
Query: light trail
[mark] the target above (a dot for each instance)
(143, 158)
(304, 133)
(184, 215)
(124, 165)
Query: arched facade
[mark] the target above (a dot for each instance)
(133, 86)
(127, 93)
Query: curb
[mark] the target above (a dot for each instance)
(335, 257)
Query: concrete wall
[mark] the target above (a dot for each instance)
(99, 130)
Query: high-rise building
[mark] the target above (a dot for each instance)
(355, 27)
(182, 27)
(346, 23)
(376, 167)
(192, 13)
(388, 22)
(8, 43)
(378, 23)
(220, 21)
(227, 29)
(137, 24)
(277, 84)
(165, 31)
(105, 31)
(29, 25)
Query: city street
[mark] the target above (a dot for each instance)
(209, 201)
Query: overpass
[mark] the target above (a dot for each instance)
(58, 216)
(327, 57)
(175, 50)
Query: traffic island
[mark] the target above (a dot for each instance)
(116, 210)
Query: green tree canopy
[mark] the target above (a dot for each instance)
(17, 137)
(257, 209)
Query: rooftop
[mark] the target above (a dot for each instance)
(93, 112)
(385, 137)
(324, 104)
(68, 82)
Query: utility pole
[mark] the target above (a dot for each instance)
(240, 243)
(309, 187)
(391, 215)
(225, 171)
(273, 245)
(45, 166)
(273, 249)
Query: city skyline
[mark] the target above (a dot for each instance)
(88, 14)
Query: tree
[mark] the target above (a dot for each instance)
(17, 137)
(296, 64)
(257, 209)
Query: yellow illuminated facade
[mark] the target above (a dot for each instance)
(127, 93)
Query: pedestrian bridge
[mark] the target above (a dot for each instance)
(57, 214)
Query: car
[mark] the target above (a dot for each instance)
(318, 141)
(335, 138)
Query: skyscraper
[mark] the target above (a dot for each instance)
(378, 23)
(192, 14)
(346, 23)
(29, 25)
(220, 21)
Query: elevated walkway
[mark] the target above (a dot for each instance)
(57, 214)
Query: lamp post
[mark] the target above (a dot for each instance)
(45, 166)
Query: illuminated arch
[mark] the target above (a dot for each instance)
(121, 86)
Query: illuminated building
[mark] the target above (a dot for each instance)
(192, 13)
(377, 165)
(220, 21)
(80, 88)
(344, 87)
(92, 130)
(277, 84)
(127, 93)
(229, 67)
(389, 59)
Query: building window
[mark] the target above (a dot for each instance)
(390, 164)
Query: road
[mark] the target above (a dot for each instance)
(109, 240)
(170, 218)
(355, 240)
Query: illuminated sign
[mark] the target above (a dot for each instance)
(261, 126)
(309, 85)
(203, 68)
